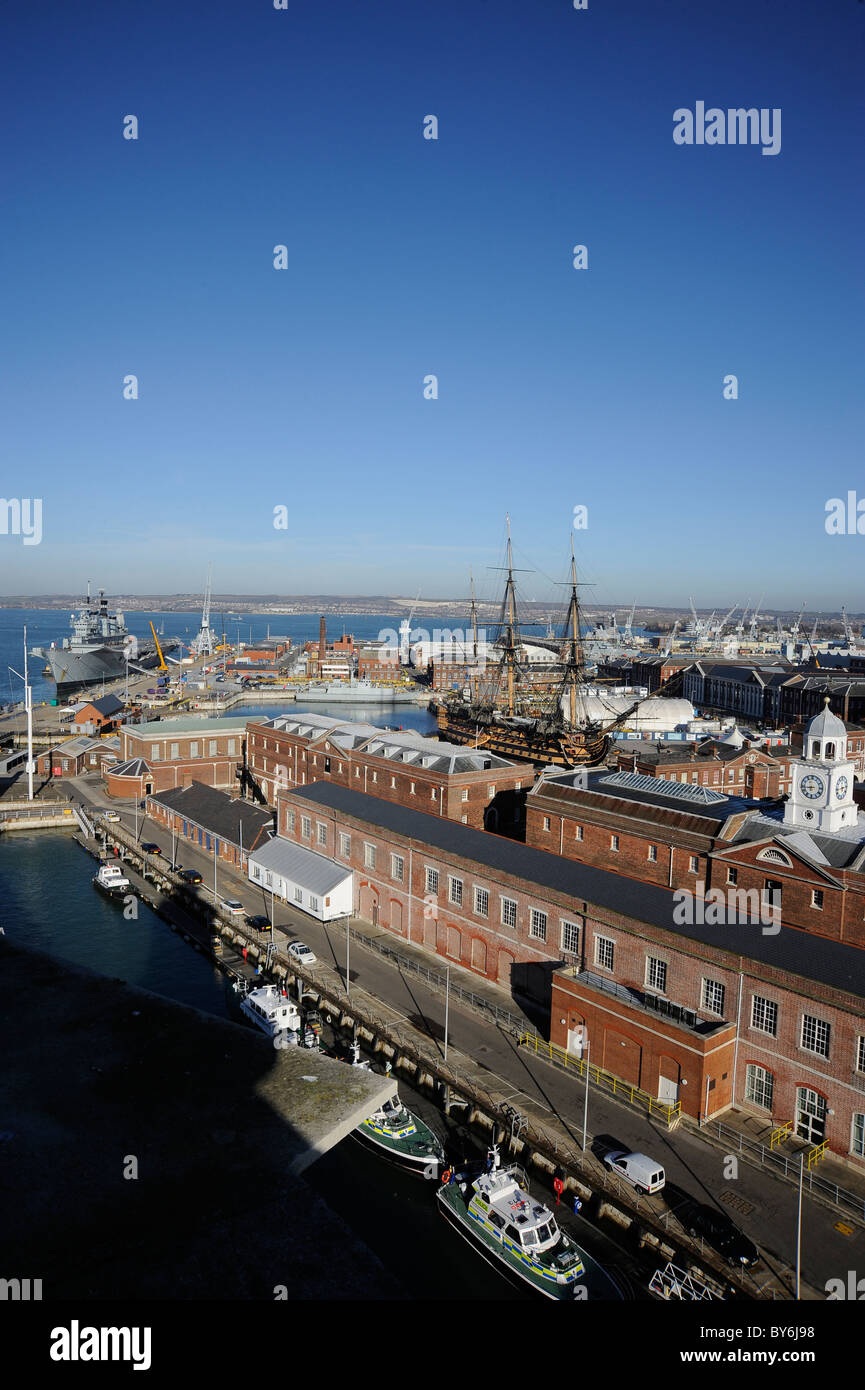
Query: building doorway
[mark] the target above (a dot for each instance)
(810, 1116)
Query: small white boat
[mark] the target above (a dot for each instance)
(273, 1012)
(112, 880)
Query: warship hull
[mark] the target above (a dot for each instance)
(73, 670)
(523, 741)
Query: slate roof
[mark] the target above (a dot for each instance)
(218, 812)
(106, 705)
(811, 957)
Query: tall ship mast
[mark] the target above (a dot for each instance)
(507, 712)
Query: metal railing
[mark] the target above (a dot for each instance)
(670, 1113)
(787, 1166)
(501, 1016)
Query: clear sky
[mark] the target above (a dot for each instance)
(407, 257)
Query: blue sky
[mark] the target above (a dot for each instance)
(557, 387)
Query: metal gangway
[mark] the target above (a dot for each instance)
(672, 1282)
(84, 821)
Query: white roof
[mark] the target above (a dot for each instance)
(304, 867)
(826, 725)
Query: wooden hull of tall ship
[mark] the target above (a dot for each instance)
(522, 740)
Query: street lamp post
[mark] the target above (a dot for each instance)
(447, 1005)
(799, 1229)
(586, 1097)
(347, 957)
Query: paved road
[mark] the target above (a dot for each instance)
(765, 1207)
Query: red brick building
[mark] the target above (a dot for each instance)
(709, 1015)
(461, 783)
(175, 752)
(732, 764)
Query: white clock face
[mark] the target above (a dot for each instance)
(841, 788)
(812, 786)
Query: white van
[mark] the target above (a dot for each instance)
(638, 1169)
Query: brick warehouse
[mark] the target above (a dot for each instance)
(464, 784)
(175, 752)
(711, 1015)
(730, 763)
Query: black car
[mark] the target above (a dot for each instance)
(259, 923)
(716, 1228)
(150, 848)
(190, 876)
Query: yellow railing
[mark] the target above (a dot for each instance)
(818, 1152)
(779, 1135)
(614, 1085)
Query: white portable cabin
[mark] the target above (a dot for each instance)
(312, 882)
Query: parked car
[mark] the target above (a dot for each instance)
(259, 923)
(233, 906)
(150, 847)
(302, 953)
(716, 1228)
(190, 875)
(642, 1172)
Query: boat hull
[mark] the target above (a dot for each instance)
(427, 1165)
(115, 893)
(570, 748)
(72, 670)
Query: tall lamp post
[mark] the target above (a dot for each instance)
(347, 956)
(799, 1228)
(447, 1005)
(586, 1098)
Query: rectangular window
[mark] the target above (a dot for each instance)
(455, 891)
(344, 844)
(509, 912)
(211, 748)
(432, 881)
(322, 832)
(605, 952)
(653, 854)
(432, 793)
(193, 748)
(815, 1035)
(491, 791)
(546, 822)
(313, 903)
(712, 997)
(232, 746)
(764, 1015)
(538, 925)
(759, 1086)
(175, 750)
(298, 895)
(465, 795)
(306, 827)
(578, 832)
(482, 902)
(397, 867)
(860, 1053)
(817, 898)
(772, 893)
(733, 876)
(290, 822)
(154, 752)
(656, 974)
(369, 855)
(412, 789)
(857, 1136)
(614, 843)
(693, 863)
(571, 938)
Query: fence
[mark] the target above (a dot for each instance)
(788, 1166)
(605, 1080)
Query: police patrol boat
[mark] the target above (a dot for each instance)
(496, 1213)
(394, 1132)
(275, 1014)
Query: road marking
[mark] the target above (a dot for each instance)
(843, 1228)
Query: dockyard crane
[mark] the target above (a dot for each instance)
(162, 663)
(629, 625)
(752, 629)
(848, 631)
(671, 638)
(794, 631)
(203, 643)
(724, 621)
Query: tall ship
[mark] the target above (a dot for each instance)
(502, 706)
(99, 648)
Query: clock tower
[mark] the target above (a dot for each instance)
(821, 792)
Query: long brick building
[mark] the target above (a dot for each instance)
(462, 783)
(711, 1015)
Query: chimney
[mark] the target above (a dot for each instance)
(322, 639)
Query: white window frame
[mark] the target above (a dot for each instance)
(601, 942)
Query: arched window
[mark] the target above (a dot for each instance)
(774, 856)
(829, 751)
(759, 1086)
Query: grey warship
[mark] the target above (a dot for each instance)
(99, 648)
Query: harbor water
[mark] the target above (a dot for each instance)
(48, 902)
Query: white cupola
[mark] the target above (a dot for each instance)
(821, 790)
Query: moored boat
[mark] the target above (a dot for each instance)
(112, 880)
(271, 1011)
(495, 1212)
(396, 1133)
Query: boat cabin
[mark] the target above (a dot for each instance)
(271, 1010)
(503, 1203)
